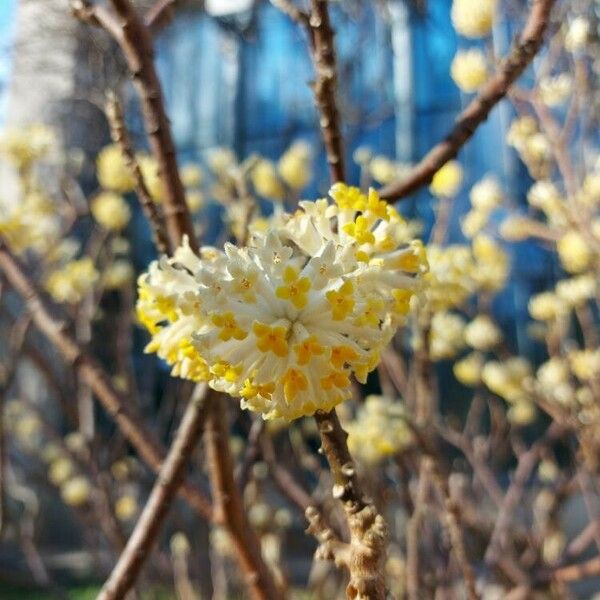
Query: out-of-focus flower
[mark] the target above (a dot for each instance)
(577, 290)
(473, 18)
(25, 145)
(73, 281)
(152, 179)
(126, 507)
(446, 337)
(491, 264)
(515, 228)
(473, 222)
(191, 175)
(521, 129)
(469, 69)
(60, 470)
(294, 166)
(555, 90)
(284, 322)
(482, 333)
(553, 381)
(447, 181)
(486, 194)
(180, 545)
(577, 34)
(112, 172)
(574, 252)
(118, 274)
(76, 492)
(110, 210)
(265, 180)
(547, 306)
(522, 413)
(383, 170)
(194, 200)
(379, 430)
(585, 363)
(220, 160)
(468, 370)
(510, 379)
(450, 279)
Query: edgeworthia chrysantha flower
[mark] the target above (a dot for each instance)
(284, 322)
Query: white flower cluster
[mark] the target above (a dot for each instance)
(285, 322)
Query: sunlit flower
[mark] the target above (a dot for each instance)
(379, 430)
(547, 306)
(446, 337)
(28, 143)
(112, 172)
(126, 507)
(510, 379)
(447, 181)
(152, 179)
(577, 290)
(191, 175)
(522, 412)
(473, 18)
(194, 200)
(450, 279)
(110, 210)
(577, 34)
(220, 160)
(491, 264)
(265, 180)
(118, 274)
(553, 381)
(294, 165)
(469, 69)
(76, 492)
(585, 363)
(285, 322)
(482, 333)
(473, 222)
(574, 252)
(555, 90)
(468, 369)
(486, 194)
(73, 281)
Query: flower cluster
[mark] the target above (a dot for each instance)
(285, 322)
(378, 430)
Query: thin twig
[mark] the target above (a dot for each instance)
(148, 526)
(229, 509)
(480, 107)
(135, 40)
(93, 374)
(120, 136)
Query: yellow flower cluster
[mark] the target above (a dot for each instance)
(473, 18)
(469, 69)
(72, 282)
(485, 196)
(285, 322)
(111, 211)
(447, 181)
(26, 145)
(112, 172)
(512, 380)
(378, 430)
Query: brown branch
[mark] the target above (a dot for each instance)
(324, 87)
(480, 107)
(135, 40)
(120, 136)
(228, 505)
(143, 538)
(322, 49)
(160, 14)
(368, 531)
(93, 374)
